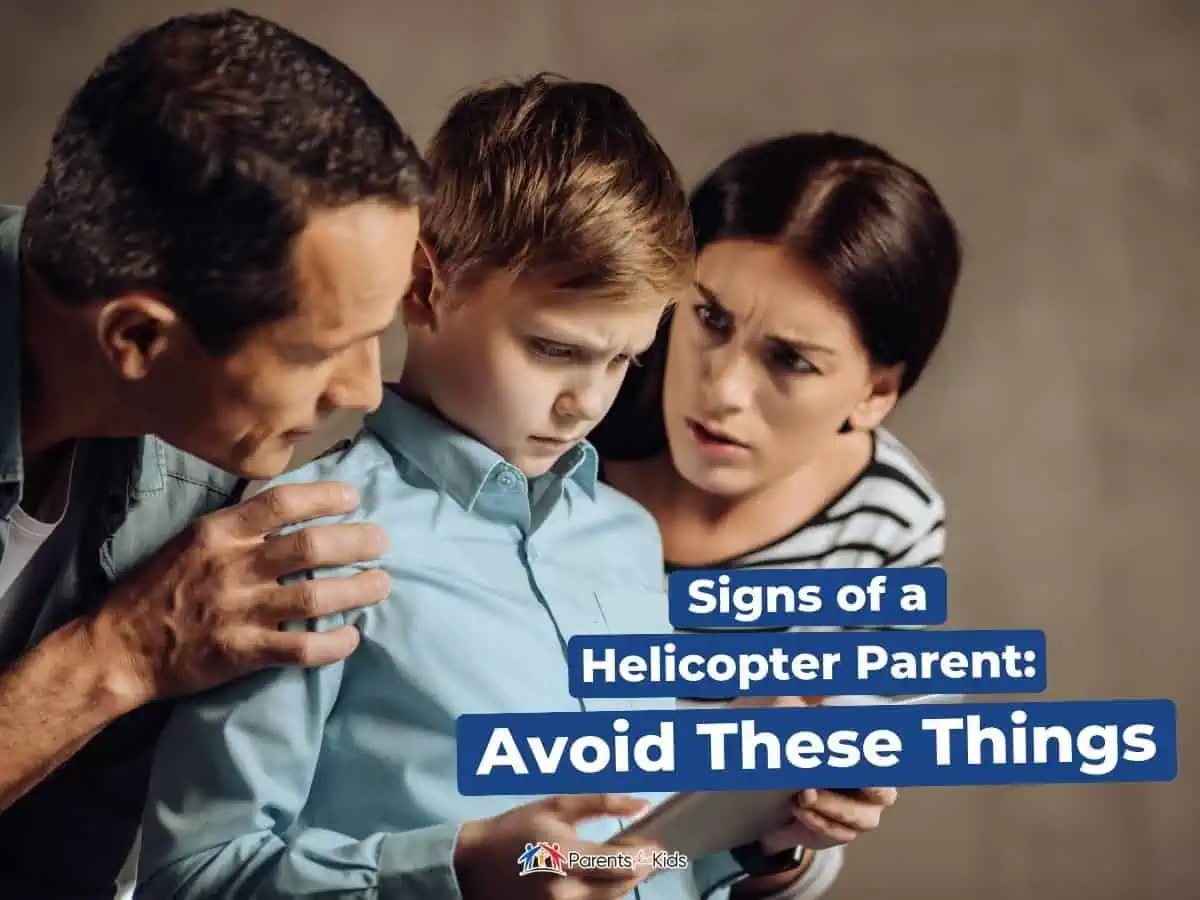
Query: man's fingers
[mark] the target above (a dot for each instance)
(320, 547)
(576, 808)
(306, 648)
(289, 504)
(314, 598)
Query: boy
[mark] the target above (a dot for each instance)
(558, 235)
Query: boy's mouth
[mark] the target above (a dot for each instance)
(555, 442)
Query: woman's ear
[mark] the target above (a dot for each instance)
(420, 303)
(883, 390)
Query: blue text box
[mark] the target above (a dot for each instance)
(832, 747)
(807, 663)
(773, 598)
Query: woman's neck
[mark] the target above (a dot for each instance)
(700, 528)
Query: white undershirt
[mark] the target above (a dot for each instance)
(34, 553)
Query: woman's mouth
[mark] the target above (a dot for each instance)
(714, 441)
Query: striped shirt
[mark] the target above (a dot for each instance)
(890, 515)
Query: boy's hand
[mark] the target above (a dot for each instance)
(485, 859)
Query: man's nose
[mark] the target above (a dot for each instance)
(358, 382)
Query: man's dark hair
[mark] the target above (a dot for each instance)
(191, 159)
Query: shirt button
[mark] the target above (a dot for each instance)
(507, 479)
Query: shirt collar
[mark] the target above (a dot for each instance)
(10, 347)
(456, 463)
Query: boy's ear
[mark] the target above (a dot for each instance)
(883, 390)
(420, 303)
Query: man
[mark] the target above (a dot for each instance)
(225, 226)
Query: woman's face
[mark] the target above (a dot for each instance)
(764, 366)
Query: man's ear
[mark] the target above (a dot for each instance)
(421, 302)
(134, 331)
(883, 390)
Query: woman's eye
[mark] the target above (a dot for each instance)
(790, 360)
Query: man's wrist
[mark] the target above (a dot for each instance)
(119, 678)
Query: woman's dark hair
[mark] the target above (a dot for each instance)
(873, 227)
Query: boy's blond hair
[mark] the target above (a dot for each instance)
(560, 181)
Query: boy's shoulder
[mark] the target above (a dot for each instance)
(361, 461)
(345, 460)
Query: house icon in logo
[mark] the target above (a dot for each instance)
(542, 857)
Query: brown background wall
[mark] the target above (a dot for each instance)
(1060, 416)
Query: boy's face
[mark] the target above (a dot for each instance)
(526, 370)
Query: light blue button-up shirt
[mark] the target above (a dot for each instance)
(341, 780)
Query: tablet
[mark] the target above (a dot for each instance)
(697, 823)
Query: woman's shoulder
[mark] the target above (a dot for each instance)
(892, 507)
(894, 465)
(896, 501)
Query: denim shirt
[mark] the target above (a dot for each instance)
(68, 838)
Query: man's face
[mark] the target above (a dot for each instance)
(530, 371)
(247, 412)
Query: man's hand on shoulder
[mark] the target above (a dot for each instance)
(209, 606)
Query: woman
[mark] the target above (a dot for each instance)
(753, 430)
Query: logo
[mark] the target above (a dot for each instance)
(542, 857)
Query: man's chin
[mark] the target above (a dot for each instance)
(263, 465)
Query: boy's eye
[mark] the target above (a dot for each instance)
(551, 349)
(712, 317)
